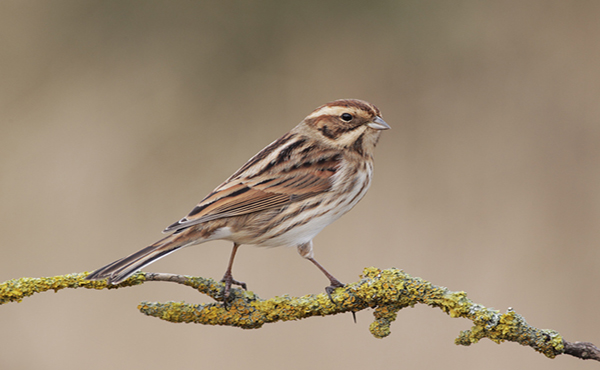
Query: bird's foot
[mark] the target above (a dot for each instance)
(229, 281)
(335, 283)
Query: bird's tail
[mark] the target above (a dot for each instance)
(121, 269)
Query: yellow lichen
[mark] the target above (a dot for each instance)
(386, 291)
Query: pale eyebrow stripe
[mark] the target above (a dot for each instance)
(330, 111)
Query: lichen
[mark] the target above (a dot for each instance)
(385, 291)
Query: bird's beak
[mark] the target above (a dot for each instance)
(379, 124)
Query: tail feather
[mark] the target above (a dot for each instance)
(123, 268)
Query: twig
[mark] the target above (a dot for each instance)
(385, 291)
(582, 350)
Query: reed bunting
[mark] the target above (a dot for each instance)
(283, 196)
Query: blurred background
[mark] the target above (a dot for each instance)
(116, 117)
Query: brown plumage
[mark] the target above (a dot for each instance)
(284, 195)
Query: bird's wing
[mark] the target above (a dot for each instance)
(272, 188)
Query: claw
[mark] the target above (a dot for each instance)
(229, 281)
(335, 283)
(330, 289)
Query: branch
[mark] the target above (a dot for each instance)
(385, 291)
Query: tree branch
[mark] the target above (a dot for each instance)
(385, 291)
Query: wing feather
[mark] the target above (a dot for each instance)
(279, 186)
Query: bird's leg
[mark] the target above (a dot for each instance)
(228, 277)
(306, 251)
(335, 283)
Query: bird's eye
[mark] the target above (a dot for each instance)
(346, 117)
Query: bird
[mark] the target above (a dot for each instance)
(283, 196)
